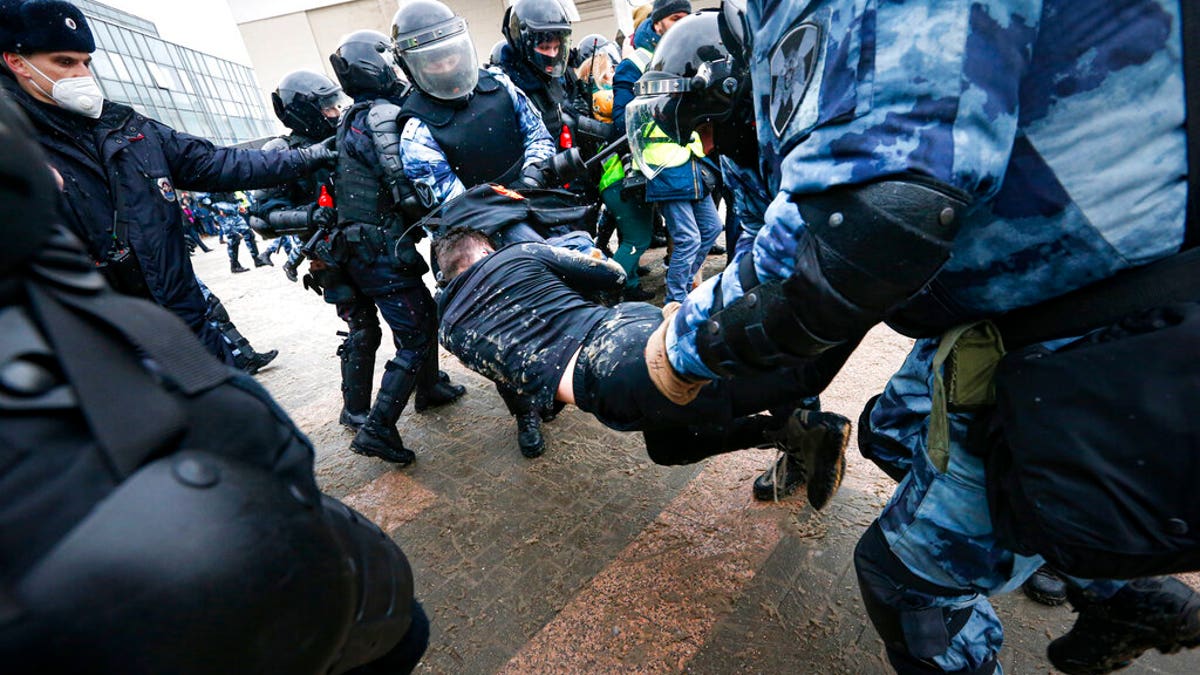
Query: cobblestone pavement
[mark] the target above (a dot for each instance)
(591, 559)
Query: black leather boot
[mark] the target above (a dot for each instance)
(358, 374)
(529, 434)
(378, 436)
(441, 392)
(259, 360)
(1046, 587)
(1153, 613)
(263, 259)
(816, 442)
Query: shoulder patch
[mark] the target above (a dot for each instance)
(792, 64)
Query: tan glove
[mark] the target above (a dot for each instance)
(678, 389)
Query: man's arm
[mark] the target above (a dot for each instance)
(538, 143)
(581, 272)
(940, 137)
(426, 165)
(197, 164)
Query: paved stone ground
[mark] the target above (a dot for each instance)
(591, 559)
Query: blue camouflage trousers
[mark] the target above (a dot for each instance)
(937, 523)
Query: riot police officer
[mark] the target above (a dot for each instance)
(537, 37)
(309, 104)
(375, 245)
(927, 202)
(453, 105)
(160, 511)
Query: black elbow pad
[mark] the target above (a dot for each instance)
(866, 250)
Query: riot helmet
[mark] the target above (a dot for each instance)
(365, 64)
(539, 31)
(28, 193)
(495, 56)
(308, 103)
(435, 50)
(692, 79)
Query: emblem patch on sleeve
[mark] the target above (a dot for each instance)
(793, 62)
(165, 187)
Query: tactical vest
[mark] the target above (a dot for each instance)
(482, 140)
(361, 196)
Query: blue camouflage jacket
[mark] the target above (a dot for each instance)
(426, 164)
(1062, 118)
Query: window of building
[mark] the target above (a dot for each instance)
(164, 77)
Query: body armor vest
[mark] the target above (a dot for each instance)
(482, 140)
(361, 196)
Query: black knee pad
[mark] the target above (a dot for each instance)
(912, 636)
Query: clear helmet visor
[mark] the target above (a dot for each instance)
(652, 150)
(447, 69)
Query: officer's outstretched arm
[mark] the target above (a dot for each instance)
(862, 251)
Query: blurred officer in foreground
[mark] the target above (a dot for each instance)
(120, 168)
(967, 179)
(158, 511)
(375, 245)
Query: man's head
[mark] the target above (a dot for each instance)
(435, 50)
(695, 83)
(666, 12)
(47, 46)
(539, 31)
(308, 103)
(460, 248)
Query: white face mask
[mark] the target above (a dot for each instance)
(80, 95)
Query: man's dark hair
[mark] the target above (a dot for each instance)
(454, 248)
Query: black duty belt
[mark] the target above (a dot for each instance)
(1163, 282)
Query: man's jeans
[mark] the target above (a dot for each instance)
(694, 227)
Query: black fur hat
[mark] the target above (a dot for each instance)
(32, 26)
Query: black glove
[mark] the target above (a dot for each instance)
(310, 281)
(532, 178)
(318, 154)
(322, 216)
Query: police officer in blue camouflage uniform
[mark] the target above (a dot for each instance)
(235, 227)
(464, 126)
(939, 163)
(375, 244)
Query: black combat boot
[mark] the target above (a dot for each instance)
(441, 392)
(378, 436)
(529, 434)
(815, 443)
(236, 267)
(256, 361)
(1046, 587)
(358, 374)
(1153, 613)
(263, 259)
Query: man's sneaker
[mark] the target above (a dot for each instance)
(529, 435)
(1046, 587)
(373, 440)
(782, 479)
(1159, 613)
(260, 360)
(440, 394)
(636, 294)
(818, 440)
(352, 419)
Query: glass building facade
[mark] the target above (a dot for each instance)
(185, 89)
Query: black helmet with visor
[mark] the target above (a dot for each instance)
(435, 50)
(308, 103)
(530, 23)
